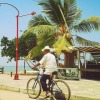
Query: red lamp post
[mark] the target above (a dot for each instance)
(16, 77)
(17, 28)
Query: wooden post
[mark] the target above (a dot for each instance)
(78, 55)
(2, 70)
(11, 74)
(85, 63)
(24, 68)
(85, 59)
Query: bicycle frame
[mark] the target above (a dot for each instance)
(54, 83)
(34, 85)
(51, 84)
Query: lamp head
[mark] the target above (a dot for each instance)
(33, 13)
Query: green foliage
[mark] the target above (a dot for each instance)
(38, 20)
(42, 29)
(88, 25)
(45, 37)
(26, 43)
(60, 14)
(4, 42)
(8, 48)
(85, 42)
(68, 7)
(62, 45)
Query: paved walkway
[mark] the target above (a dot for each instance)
(80, 90)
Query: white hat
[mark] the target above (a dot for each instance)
(46, 47)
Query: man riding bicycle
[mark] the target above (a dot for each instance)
(50, 64)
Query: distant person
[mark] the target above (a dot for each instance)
(50, 65)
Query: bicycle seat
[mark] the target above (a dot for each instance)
(54, 73)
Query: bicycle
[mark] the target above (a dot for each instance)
(34, 88)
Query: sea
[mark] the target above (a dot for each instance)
(13, 68)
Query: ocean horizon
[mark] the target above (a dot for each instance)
(13, 68)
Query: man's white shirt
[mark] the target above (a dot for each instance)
(49, 61)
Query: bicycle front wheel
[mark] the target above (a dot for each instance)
(33, 88)
(60, 90)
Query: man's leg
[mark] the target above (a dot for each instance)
(43, 80)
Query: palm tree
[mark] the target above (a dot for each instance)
(62, 17)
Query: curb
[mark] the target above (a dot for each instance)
(82, 98)
(73, 97)
(8, 88)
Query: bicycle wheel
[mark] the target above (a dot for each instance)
(33, 88)
(60, 90)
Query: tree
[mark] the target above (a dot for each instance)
(4, 42)
(55, 29)
(26, 43)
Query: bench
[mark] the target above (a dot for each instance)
(90, 73)
(2, 70)
(90, 70)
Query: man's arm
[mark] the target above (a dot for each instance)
(40, 62)
(33, 67)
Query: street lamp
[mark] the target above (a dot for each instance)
(16, 77)
(17, 29)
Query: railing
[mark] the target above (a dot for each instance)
(68, 73)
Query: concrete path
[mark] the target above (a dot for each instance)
(80, 90)
(8, 95)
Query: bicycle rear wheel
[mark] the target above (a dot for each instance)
(33, 88)
(60, 90)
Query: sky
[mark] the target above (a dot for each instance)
(8, 19)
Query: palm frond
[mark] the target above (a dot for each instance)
(85, 42)
(28, 57)
(93, 23)
(52, 6)
(42, 29)
(73, 13)
(62, 44)
(34, 53)
(45, 36)
(73, 18)
(38, 20)
(68, 7)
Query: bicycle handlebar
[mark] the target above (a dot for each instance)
(31, 67)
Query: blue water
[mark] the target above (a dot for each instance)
(13, 68)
